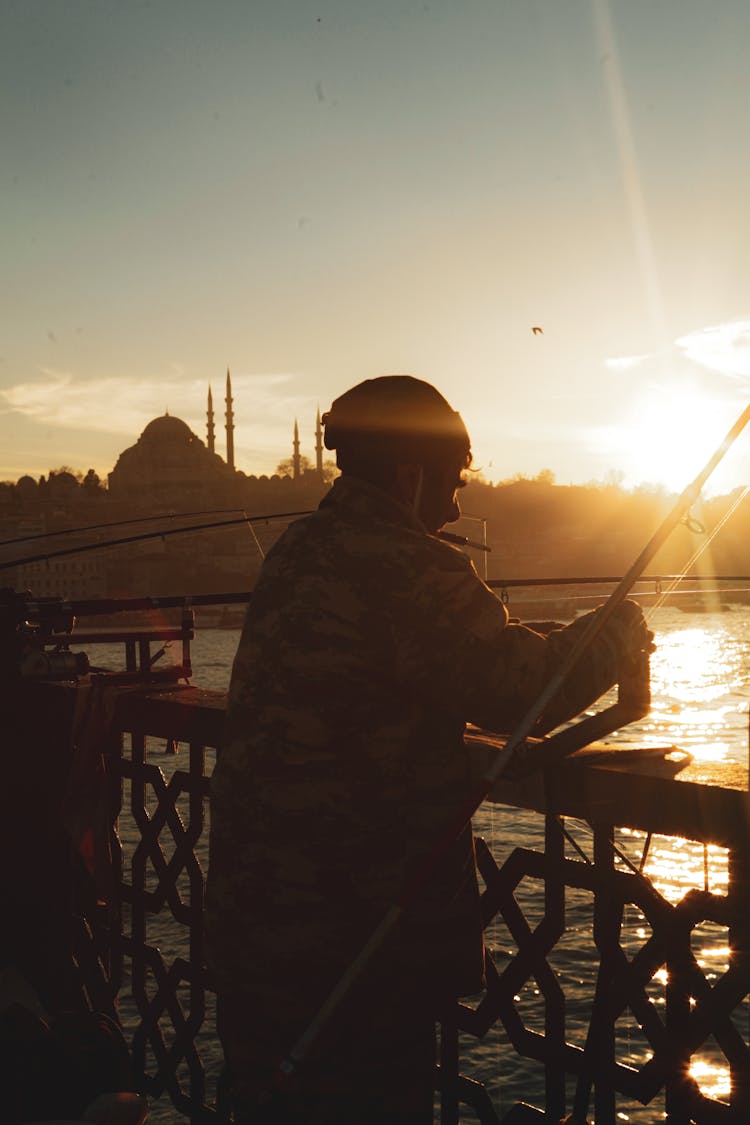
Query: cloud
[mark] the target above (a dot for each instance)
(626, 362)
(265, 407)
(108, 405)
(117, 405)
(722, 347)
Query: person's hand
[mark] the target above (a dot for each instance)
(628, 630)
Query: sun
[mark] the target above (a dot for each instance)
(673, 444)
(666, 438)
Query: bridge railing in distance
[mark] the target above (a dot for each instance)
(557, 904)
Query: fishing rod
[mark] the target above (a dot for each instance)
(515, 752)
(102, 606)
(93, 607)
(117, 523)
(611, 580)
(83, 548)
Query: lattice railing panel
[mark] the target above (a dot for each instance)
(697, 1012)
(146, 949)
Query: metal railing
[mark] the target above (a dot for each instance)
(143, 950)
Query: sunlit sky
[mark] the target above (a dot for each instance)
(312, 192)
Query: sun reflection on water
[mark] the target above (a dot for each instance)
(699, 677)
(699, 684)
(686, 664)
(714, 1081)
(676, 866)
(700, 688)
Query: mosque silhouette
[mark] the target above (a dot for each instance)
(169, 458)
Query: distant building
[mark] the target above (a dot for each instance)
(230, 423)
(210, 436)
(168, 465)
(74, 578)
(168, 470)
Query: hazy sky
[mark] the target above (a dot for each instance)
(312, 192)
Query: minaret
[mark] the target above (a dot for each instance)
(318, 446)
(210, 423)
(295, 456)
(230, 424)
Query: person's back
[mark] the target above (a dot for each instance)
(368, 645)
(340, 762)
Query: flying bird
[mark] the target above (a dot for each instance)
(537, 330)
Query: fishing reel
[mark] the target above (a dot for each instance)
(34, 639)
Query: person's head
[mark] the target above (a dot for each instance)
(399, 433)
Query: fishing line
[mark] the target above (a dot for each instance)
(261, 552)
(621, 855)
(572, 840)
(697, 554)
(644, 854)
(657, 605)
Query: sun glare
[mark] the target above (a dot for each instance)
(674, 442)
(666, 439)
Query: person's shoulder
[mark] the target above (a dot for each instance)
(299, 538)
(447, 557)
(444, 575)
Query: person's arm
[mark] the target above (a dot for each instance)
(492, 670)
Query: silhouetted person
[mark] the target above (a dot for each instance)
(368, 644)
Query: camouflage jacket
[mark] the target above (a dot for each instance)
(368, 645)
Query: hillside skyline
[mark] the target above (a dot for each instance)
(305, 444)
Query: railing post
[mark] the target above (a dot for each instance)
(196, 814)
(677, 1016)
(739, 960)
(607, 925)
(113, 751)
(599, 1051)
(554, 1011)
(138, 934)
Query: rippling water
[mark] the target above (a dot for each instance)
(700, 695)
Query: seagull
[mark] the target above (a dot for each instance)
(537, 330)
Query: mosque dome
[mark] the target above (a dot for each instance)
(168, 428)
(168, 461)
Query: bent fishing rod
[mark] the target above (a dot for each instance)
(446, 536)
(117, 523)
(514, 752)
(460, 540)
(141, 537)
(163, 533)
